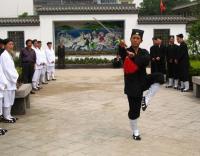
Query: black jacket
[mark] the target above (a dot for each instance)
(135, 83)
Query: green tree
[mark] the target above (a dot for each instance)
(152, 7)
(194, 38)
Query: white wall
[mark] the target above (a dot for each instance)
(45, 32)
(30, 32)
(47, 23)
(13, 8)
(137, 2)
(149, 32)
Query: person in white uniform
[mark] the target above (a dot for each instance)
(10, 72)
(44, 62)
(3, 86)
(38, 67)
(50, 54)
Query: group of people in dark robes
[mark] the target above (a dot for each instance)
(171, 60)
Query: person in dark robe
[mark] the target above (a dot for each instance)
(138, 81)
(183, 63)
(153, 53)
(28, 59)
(171, 51)
(161, 56)
(61, 56)
(1, 46)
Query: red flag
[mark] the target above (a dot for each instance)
(162, 7)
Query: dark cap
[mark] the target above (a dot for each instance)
(33, 41)
(7, 40)
(180, 35)
(137, 32)
(49, 43)
(171, 36)
(1, 41)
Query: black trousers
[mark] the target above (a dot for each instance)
(170, 70)
(134, 107)
(27, 72)
(61, 62)
(135, 102)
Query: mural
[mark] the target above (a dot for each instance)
(89, 36)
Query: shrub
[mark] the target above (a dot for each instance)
(87, 61)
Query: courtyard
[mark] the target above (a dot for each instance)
(84, 113)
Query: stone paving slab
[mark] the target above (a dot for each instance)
(84, 113)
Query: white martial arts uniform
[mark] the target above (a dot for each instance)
(44, 69)
(8, 68)
(38, 68)
(50, 54)
(3, 85)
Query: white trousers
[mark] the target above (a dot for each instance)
(9, 98)
(43, 74)
(50, 72)
(36, 78)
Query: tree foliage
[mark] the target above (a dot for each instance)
(152, 7)
(194, 38)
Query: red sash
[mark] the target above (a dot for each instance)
(129, 66)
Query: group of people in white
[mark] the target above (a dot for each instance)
(38, 66)
(44, 65)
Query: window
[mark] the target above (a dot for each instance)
(163, 33)
(18, 38)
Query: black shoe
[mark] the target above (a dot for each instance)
(32, 92)
(137, 138)
(44, 83)
(144, 105)
(1, 118)
(54, 79)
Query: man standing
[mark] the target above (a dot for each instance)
(161, 63)
(171, 52)
(61, 56)
(44, 62)
(183, 63)
(11, 75)
(3, 86)
(50, 54)
(38, 67)
(28, 61)
(138, 81)
(153, 55)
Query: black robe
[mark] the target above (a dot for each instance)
(183, 62)
(171, 54)
(162, 63)
(153, 54)
(135, 83)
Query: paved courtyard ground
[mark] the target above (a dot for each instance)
(84, 113)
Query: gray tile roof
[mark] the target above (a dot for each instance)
(88, 9)
(163, 19)
(25, 21)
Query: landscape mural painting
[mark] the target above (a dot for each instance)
(89, 37)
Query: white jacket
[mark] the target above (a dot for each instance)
(43, 56)
(50, 54)
(3, 82)
(9, 70)
(38, 58)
